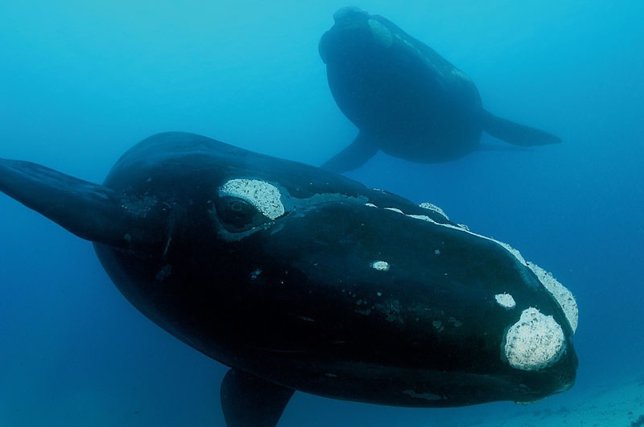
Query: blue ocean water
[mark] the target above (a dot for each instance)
(80, 82)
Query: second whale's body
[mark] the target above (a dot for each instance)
(405, 99)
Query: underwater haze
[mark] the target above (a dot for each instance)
(81, 82)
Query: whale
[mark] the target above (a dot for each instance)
(300, 279)
(405, 99)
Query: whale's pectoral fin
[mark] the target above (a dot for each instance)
(515, 133)
(90, 211)
(352, 157)
(249, 401)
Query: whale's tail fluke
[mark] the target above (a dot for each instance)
(515, 133)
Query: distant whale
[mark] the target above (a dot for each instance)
(301, 279)
(405, 99)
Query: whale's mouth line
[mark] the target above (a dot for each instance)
(425, 394)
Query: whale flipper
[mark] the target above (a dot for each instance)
(515, 133)
(90, 211)
(352, 157)
(249, 401)
(77, 205)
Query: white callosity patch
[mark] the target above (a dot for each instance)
(505, 300)
(513, 251)
(421, 217)
(264, 196)
(434, 208)
(462, 227)
(535, 342)
(380, 265)
(563, 296)
(395, 210)
(380, 33)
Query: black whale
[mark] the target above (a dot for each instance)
(405, 99)
(301, 279)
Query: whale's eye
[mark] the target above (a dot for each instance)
(243, 204)
(237, 214)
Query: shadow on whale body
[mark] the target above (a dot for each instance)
(300, 279)
(404, 98)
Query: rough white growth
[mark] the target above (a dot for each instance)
(433, 207)
(513, 251)
(535, 342)
(563, 296)
(380, 33)
(264, 196)
(395, 210)
(505, 300)
(421, 217)
(428, 219)
(380, 265)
